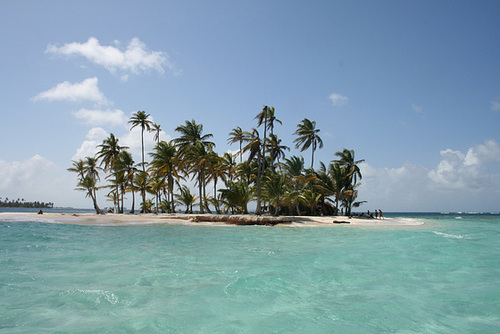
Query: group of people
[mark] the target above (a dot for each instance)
(378, 214)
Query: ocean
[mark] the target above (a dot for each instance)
(440, 277)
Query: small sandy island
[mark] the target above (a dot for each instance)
(110, 219)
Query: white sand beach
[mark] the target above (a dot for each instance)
(111, 219)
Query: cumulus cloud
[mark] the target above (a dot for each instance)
(460, 180)
(135, 58)
(87, 90)
(98, 117)
(338, 100)
(466, 172)
(19, 172)
(39, 179)
(88, 148)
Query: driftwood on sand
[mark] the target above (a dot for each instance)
(240, 219)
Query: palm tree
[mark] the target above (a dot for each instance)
(186, 198)
(200, 160)
(126, 167)
(89, 185)
(274, 190)
(165, 165)
(351, 171)
(310, 198)
(141, 182)
(194, 148)
(88, 176)
(141, 119)
(237, 135)
(228, 166)
(156, 186)
(275, 149)
(108, 153)
(271, 118)
(347, 160)
(190, 134)
(308, 137)
(156, 128)
(78, 167)
(255, 148)
(237, 195)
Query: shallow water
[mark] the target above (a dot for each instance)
(438, 278)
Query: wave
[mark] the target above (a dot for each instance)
(446, 235)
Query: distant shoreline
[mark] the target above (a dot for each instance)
(111, 219)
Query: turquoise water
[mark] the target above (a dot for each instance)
(442, 277)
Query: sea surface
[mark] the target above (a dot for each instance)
(440, 277)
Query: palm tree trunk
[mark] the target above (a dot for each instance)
(312, 158)
(200, 189)
(133, 202)
(94, 201)
(143, 193)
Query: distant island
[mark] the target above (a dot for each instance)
(21, 203)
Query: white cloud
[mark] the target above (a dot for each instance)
(18, 172)
(98, 117)
(132, 139)
(88, 148)
(495, 106)
(338, 100)
(39, 179)
(87, 90)
(466, 172)
(460, 182)
(135, 58)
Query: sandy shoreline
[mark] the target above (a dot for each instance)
(199, 220)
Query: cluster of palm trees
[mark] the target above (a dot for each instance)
(278, 185)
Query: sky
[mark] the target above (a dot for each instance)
(413, 87)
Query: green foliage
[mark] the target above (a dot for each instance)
(277, 183)
(21, 203)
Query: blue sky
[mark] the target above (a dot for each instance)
(412, 86)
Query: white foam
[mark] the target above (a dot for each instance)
(20, 217)
(446, 235)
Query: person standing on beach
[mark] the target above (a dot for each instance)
(380, 214)
(376, 214)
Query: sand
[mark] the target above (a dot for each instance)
(111, 219)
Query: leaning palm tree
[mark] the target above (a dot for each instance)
(141, 119)
(88, 176)
(89, 185)
(78, 168)
(308, 137)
